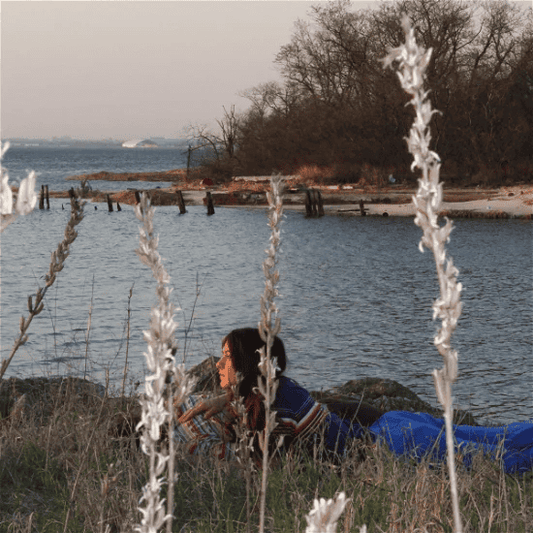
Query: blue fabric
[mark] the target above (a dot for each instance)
(421, 435)
(414, 434)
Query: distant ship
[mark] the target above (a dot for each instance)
(139, 143)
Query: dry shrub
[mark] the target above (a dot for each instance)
(372, 178)
(315, 175)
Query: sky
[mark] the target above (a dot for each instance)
(135, 69)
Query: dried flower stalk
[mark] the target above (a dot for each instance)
(26, 198)
(269, 330)
(325, 514)
(413, 62)
(161, 365)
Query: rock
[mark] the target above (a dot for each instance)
(43, 394)
(386, 395)
(206, 374)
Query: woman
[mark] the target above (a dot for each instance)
(301, 418)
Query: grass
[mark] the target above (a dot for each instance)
(42, 456)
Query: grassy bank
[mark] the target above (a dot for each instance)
(74, 464)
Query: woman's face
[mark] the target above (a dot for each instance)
(226, 370)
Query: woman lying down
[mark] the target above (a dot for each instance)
(207, 426)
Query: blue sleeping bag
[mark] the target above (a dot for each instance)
(421, 435)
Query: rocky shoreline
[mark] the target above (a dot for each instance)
(39, 398)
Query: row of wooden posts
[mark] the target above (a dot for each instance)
(181, 202)
(314, 204)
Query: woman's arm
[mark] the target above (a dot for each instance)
(210, 407)
(200, 435)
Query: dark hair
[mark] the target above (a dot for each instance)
(244, 344)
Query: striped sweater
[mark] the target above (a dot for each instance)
(299, 417)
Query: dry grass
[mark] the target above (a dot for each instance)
(61, 460)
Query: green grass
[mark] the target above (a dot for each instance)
(42, 456)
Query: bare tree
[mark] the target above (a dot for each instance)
(224, 143)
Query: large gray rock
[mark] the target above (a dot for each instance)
(386, 395)
(44, 394)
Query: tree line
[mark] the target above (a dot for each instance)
(338, 107)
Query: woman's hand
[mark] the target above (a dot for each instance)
(209, 406)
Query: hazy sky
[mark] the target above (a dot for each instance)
(136, 69)
(97, 69)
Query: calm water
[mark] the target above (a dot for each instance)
(54, 164)
(355, 300)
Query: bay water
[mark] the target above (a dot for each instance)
(355, 293)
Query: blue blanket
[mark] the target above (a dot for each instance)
(422, 435)
(406, 434)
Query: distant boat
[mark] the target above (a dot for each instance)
(139, 143)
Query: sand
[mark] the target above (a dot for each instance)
(512, 202)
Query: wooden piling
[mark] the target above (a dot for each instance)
(314, 205)
(209, 201)
(109, 204)
(181, 202)
(362, 207)
(188, 163)
(308, 203)
(118, 207)
(319, 204)
(41, 198)
(47, 195)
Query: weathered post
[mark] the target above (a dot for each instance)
(109, 204)
(308, 203)
(41, 198)
(181, 203)
(47, 195)
(188, 162)
(209, 201)
(118, 207)
(313, 202)
(319, 204)
(362, 207)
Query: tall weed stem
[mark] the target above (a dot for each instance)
(57, 262)
(413, 61)
(268, 329)
(162, 367)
